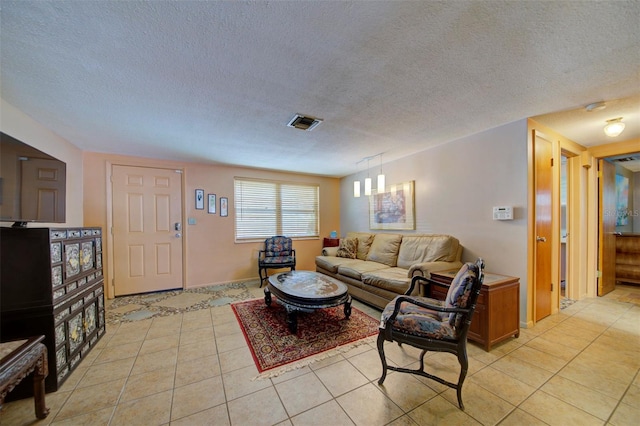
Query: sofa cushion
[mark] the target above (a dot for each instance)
(384, 249)
(355, 268)
(348, 248)
(427, 248)
(364, 243)
(331, 263)
(392, 279)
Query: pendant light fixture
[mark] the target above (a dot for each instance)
(367, 181)
(356, 183)
(614, 127)
(380, 177)
(356, 189)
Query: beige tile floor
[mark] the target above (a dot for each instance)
(579, 366)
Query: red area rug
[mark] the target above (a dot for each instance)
(320, 333)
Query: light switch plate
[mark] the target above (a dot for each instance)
(503, 213)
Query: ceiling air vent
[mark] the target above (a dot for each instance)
(304, 122)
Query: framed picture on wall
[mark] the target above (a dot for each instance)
(394, 208)
(199, 199)
(224, 206)
(622, 200)
(211, 203)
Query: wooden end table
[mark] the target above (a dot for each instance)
(331, 242)
(497, 314)
(17, 360)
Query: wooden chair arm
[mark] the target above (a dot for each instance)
(414, 280)
(414, 301)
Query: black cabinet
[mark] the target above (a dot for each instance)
(51, 284)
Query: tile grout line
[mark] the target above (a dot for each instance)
(222, 380)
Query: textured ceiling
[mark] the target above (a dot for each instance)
(218, 81)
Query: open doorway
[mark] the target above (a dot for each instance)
(620, 241)
(564, 234)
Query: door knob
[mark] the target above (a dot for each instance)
(541, 239)
(178, 235)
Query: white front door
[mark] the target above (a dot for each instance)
(147, 229)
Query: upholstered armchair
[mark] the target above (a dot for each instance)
(278, 253)
(433, 325)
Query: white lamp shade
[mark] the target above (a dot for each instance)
(614, 128)
(380, 183)
(367, 186)
(356, 188)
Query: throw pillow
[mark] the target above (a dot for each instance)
(348, 248)
(364, 242)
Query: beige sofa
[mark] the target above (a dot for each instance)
(384, 263)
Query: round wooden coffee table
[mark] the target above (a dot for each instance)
(305, 291)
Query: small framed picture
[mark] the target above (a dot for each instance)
(199, 199)
(224, 206)
(212, 203)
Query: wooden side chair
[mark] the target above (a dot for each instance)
(433, 325)
(278, 253)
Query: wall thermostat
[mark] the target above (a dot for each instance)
(503, 213)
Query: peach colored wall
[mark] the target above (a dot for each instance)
(22, 127)
(210, 254)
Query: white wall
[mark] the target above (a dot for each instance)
(22, 127)
(456, 186)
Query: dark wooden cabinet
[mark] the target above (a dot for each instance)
(52, 285)
(497, 314)
(628, 258)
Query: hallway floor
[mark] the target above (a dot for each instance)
(579, 366)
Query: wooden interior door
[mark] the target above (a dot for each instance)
(607, 227)
(543, 180)
(147, 235)
(47, 179)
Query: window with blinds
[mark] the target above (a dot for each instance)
(267, 208)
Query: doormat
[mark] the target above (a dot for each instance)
(320, 334)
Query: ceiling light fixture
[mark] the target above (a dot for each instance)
(614, 127)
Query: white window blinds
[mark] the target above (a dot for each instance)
(267, 208)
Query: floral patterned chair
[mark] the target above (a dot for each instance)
(433, 325)
(278, 253)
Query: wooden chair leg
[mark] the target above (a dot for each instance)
(260, 271)
(464, 365)
(382, 358)
(422, 354)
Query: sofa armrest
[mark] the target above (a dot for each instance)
(329, 251)
(425, 269)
